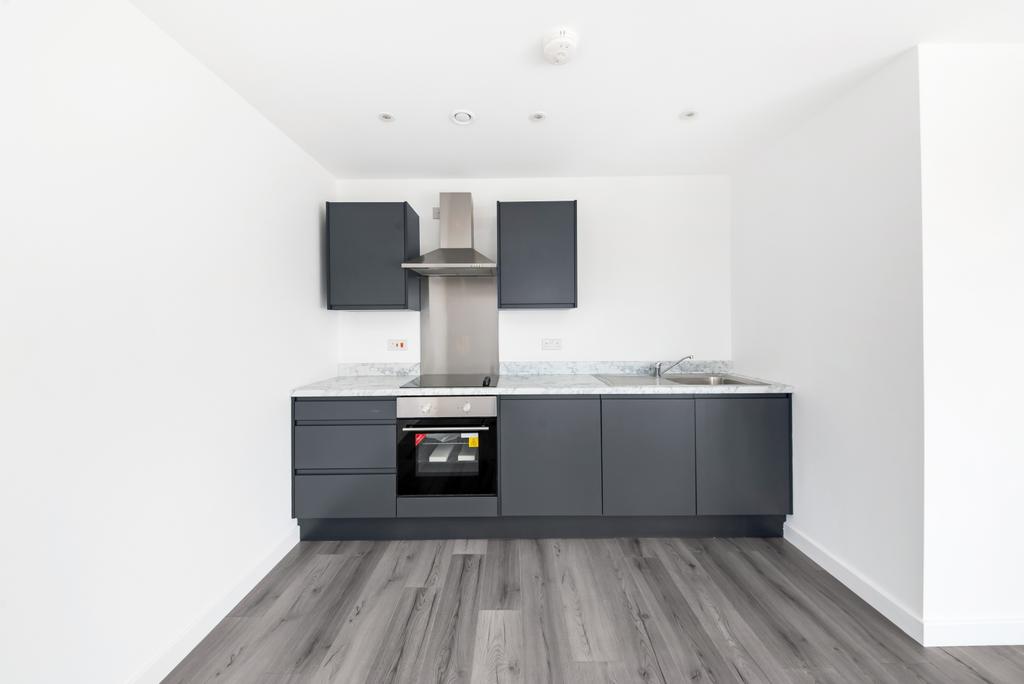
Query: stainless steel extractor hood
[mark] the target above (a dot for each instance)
(456, 256)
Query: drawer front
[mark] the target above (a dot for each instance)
(447, 507)
(344, 496)
(344, 409)
(344, 446)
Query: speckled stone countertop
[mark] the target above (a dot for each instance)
(577, 383)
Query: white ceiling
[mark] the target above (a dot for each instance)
(323, 69)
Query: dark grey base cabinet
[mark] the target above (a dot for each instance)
(366, 245)
(649, 456)
(641, 458)
(343, 458)
(549, 456)
(744, 456)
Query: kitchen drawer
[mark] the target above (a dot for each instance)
(344, 446)
(345, 496)
(447, 506)
(344, 409)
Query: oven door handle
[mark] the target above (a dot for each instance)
(478, 428)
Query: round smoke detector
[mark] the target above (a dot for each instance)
(463, 117)
(559, 45)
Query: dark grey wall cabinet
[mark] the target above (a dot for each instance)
(366, 245)
(550, 456)
(537, 255)
(648, 453)
(743, 456)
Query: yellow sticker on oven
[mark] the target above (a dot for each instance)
(474, 441)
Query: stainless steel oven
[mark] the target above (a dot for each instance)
(447, 446)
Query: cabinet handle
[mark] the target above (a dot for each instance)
(479, 428)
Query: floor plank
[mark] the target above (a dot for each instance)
(498, 652)
(298, 629)
(447, 655)
(568, 610)
(998, 663)
(396, 656)
(591, 628)
(646, 655)
(846, 654)
(694, 651)
(500, 583)
(361, 627)
(473, 547)
(546, 653)
(742, 648)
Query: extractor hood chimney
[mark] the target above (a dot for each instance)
(456, 256)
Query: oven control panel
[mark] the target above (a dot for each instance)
(447, 407)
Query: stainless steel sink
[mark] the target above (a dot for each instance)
(631, 380)
(709, 379)
(675, 379)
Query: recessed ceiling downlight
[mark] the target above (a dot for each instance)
(463, 117)
(688, 115)
(386, 117)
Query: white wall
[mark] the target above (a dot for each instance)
(653, 269)
(827, 296)
(160, 295)
(972, 98)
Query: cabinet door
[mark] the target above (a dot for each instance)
(550, 456)
(366, 244)
(744, 456)
(648, 454)
(537, 255)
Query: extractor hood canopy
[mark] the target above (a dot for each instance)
(456, 256)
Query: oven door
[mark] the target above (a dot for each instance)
(447, 457)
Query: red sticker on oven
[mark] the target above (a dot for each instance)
(420, 437)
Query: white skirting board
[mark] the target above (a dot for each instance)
(973, 632)
(163, 664)
(876, 597)
(926, 632)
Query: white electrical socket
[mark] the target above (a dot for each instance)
(397, 345)
(551, 344)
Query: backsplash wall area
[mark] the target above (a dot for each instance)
(653, 269)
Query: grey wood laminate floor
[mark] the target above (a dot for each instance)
(567, 610)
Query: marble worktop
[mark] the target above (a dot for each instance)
(525, 384)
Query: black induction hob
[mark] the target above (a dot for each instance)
(454, 380)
